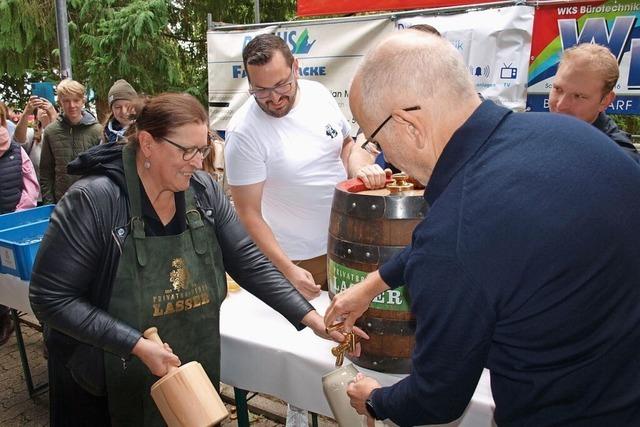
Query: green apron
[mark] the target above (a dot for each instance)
(175, 283)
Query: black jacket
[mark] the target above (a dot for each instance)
(79, 254)
(620, 137)
(10, 178)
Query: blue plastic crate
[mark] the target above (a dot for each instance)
(28, 216)
(18, 248)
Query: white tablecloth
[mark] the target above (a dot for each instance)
(14, 293)
(263, 352)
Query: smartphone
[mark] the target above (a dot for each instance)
(43, 90)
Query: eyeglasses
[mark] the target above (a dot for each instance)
(281, 89)
(370, 144)
(189, 153)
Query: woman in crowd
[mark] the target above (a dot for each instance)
(5, 119)
(120, 96)
(19, 190)
(144, 240)
(213, 164)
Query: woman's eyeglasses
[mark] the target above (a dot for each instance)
(189, 153)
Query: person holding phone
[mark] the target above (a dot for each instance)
(31, 138)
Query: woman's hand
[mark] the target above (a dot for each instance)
(157, 357)
(32, 104)
(316, 323)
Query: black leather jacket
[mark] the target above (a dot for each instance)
(78, 258)
(620, 137)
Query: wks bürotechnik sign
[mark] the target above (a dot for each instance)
(611, 24)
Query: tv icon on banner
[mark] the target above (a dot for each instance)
(508, 72)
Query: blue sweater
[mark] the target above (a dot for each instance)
(528, 264)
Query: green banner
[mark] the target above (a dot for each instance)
(341, 278)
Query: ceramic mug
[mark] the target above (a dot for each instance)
(335, 385)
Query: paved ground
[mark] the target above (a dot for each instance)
(17, 409)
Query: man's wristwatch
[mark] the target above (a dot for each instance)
(369, 405)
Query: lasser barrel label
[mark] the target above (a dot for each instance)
(341, 278)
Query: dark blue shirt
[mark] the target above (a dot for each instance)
(382, 162)
(528, 264)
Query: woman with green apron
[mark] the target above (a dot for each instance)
(144, 239)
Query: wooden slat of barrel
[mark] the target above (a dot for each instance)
(368, 228)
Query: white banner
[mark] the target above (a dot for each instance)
(328, 52)
(495, 44)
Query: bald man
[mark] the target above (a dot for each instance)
(366, 161)
(525, 264)
(583, 88)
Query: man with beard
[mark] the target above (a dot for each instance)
(286, 150)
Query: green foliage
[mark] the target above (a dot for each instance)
(27, 35)
(156, 45)
(130, 41)
(15, 90)
(629, 124)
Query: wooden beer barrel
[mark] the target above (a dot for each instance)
(367, 228)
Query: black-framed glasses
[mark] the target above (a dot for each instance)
(370, 144)
(189, 153)
(281, 89)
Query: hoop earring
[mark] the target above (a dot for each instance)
(146, 164)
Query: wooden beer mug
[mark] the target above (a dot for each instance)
(185, 395)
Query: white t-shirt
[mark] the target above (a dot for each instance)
(298, 158)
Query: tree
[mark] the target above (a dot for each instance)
(156, 45)
(27, 36)
(130, 40)
(629, 124)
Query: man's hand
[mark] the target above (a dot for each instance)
(350, 304)
(302, 280)
(157, 357)
(359, 391)
(373, 176)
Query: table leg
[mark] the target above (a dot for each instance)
(33, 391)
(241, 407)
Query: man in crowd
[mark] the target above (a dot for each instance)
(584, 87)
(286, 150)
(525, 264)
(19, 190)
(74, 131)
